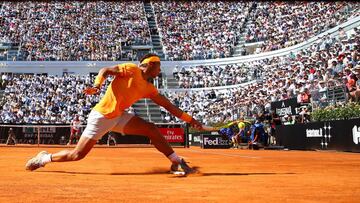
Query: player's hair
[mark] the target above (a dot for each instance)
(147, 56)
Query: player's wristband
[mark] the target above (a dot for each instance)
(186, 117)
(99, 80)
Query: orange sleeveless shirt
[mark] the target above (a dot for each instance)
(124, 92)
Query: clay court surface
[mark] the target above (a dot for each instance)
(141, 175)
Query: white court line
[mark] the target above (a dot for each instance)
(224, 154)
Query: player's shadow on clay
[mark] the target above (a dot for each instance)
(164, 171)
(116, 174)
(243, 174)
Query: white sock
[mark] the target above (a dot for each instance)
(46, 159)
(174, 158)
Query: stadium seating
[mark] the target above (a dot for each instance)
(100, 30)
(199, 29)
(106, 31)
(330, 61)
(217, 75)
(283, 24)
(45, 99)
(51, 99)
(73, 31)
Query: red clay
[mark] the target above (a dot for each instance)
(141, 175)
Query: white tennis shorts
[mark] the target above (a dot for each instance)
(98, 125)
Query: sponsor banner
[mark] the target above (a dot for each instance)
(214, 142)
(195, 139)
(61, 135)
(29, 135)
(287, 107)
(173, 134)
(342, 135)
(31, 132)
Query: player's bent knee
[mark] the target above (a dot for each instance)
(77, 155)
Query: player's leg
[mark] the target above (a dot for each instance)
(97, 126)
(8, 140)
(233, 141)
(82, 148)
(108, 140)
(134, 125)
(111, 137)
(77, 136)
(71, 137)
(230, 137)
(114, 140)
(14, 139)
(237, 140)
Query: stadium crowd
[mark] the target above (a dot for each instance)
(199, 29)
(40, 99)
(284, 24)
(189, 30)
(98, 30)
(74, 31)
(328, 62)
(212, 76)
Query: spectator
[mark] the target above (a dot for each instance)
(11, 136)
(75, 130)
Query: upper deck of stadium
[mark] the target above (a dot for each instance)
(176, 30)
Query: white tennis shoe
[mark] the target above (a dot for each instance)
(182, 168)
(36, 162)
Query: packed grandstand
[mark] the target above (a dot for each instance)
(181, 31)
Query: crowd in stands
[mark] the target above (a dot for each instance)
(327, 63)
(99, 30)
(74, 31)
(283, 24)
(189, 30)
(200, 29)
(40, 99)
(212, 76)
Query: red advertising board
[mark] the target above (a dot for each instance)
(173, 134)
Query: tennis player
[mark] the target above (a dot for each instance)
(131, 83)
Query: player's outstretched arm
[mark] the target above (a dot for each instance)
(174, 110)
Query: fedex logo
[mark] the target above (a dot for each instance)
(217, 141)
